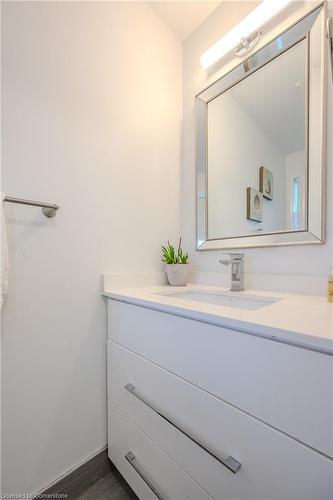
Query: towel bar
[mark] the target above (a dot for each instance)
(49, 209)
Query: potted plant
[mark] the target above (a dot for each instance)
(176, 264)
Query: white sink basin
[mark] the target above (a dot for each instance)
(232, 299)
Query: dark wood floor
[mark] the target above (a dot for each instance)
(97, 479)
(110, 487)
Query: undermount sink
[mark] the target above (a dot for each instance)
(248, 302)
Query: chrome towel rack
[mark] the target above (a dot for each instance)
(49, 209)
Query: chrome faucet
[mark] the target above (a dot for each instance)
(237, 270)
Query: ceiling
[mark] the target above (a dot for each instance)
(184, 17)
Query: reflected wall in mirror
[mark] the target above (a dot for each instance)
(261, 121)
(258, 131)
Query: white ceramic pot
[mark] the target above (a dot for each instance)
(177, 274)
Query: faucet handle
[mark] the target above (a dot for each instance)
(234, 256)
(238, 256)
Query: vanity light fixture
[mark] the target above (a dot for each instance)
(245, 35)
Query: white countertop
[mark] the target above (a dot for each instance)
(301, 320)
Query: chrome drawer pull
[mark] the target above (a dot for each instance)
(130, 457)
(230, 463)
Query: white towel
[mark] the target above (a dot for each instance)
(4, 254)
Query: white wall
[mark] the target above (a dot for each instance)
(302, 268)
(90, 120)
(233, 166)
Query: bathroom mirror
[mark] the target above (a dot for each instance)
(260, 136)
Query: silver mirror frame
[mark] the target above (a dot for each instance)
(312, 29)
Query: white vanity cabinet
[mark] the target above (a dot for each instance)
(209, 412)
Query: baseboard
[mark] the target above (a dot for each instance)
(280, 283)
(73, 484)
(129, 280)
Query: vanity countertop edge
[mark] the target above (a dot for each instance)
(299, 320)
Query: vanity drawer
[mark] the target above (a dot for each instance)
(147, 469)
(288, 387)
(196, 426)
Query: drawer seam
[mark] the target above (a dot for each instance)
(167, 454)
(223, 400)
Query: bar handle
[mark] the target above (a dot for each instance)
(229, 462)
(130, 457)
(48, 209)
